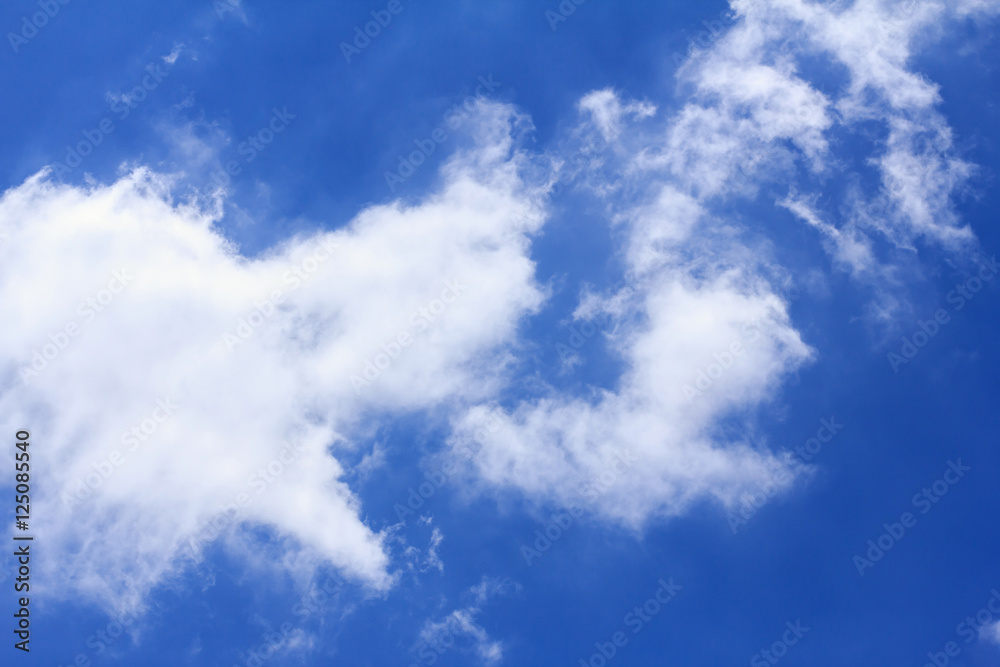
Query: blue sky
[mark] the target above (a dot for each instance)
(692, 349)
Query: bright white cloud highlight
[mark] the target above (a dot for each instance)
(203, 386)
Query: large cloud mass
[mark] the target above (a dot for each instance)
(167, 380)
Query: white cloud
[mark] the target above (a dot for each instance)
(171, 57)
(607, 111)
(432, 560)
(372, 461)
(749, 91)
(699, 276)
(662, 418)
(874, 43)
(847, 245)
(992, 633)
(460, 628)
(284, 374)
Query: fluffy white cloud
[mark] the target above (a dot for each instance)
(170, 383)
(701, 352)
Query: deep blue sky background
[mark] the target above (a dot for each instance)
(794, 558)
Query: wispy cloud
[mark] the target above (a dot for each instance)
(752, 125)
(460, 628)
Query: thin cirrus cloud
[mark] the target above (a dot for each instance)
(212, 378)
